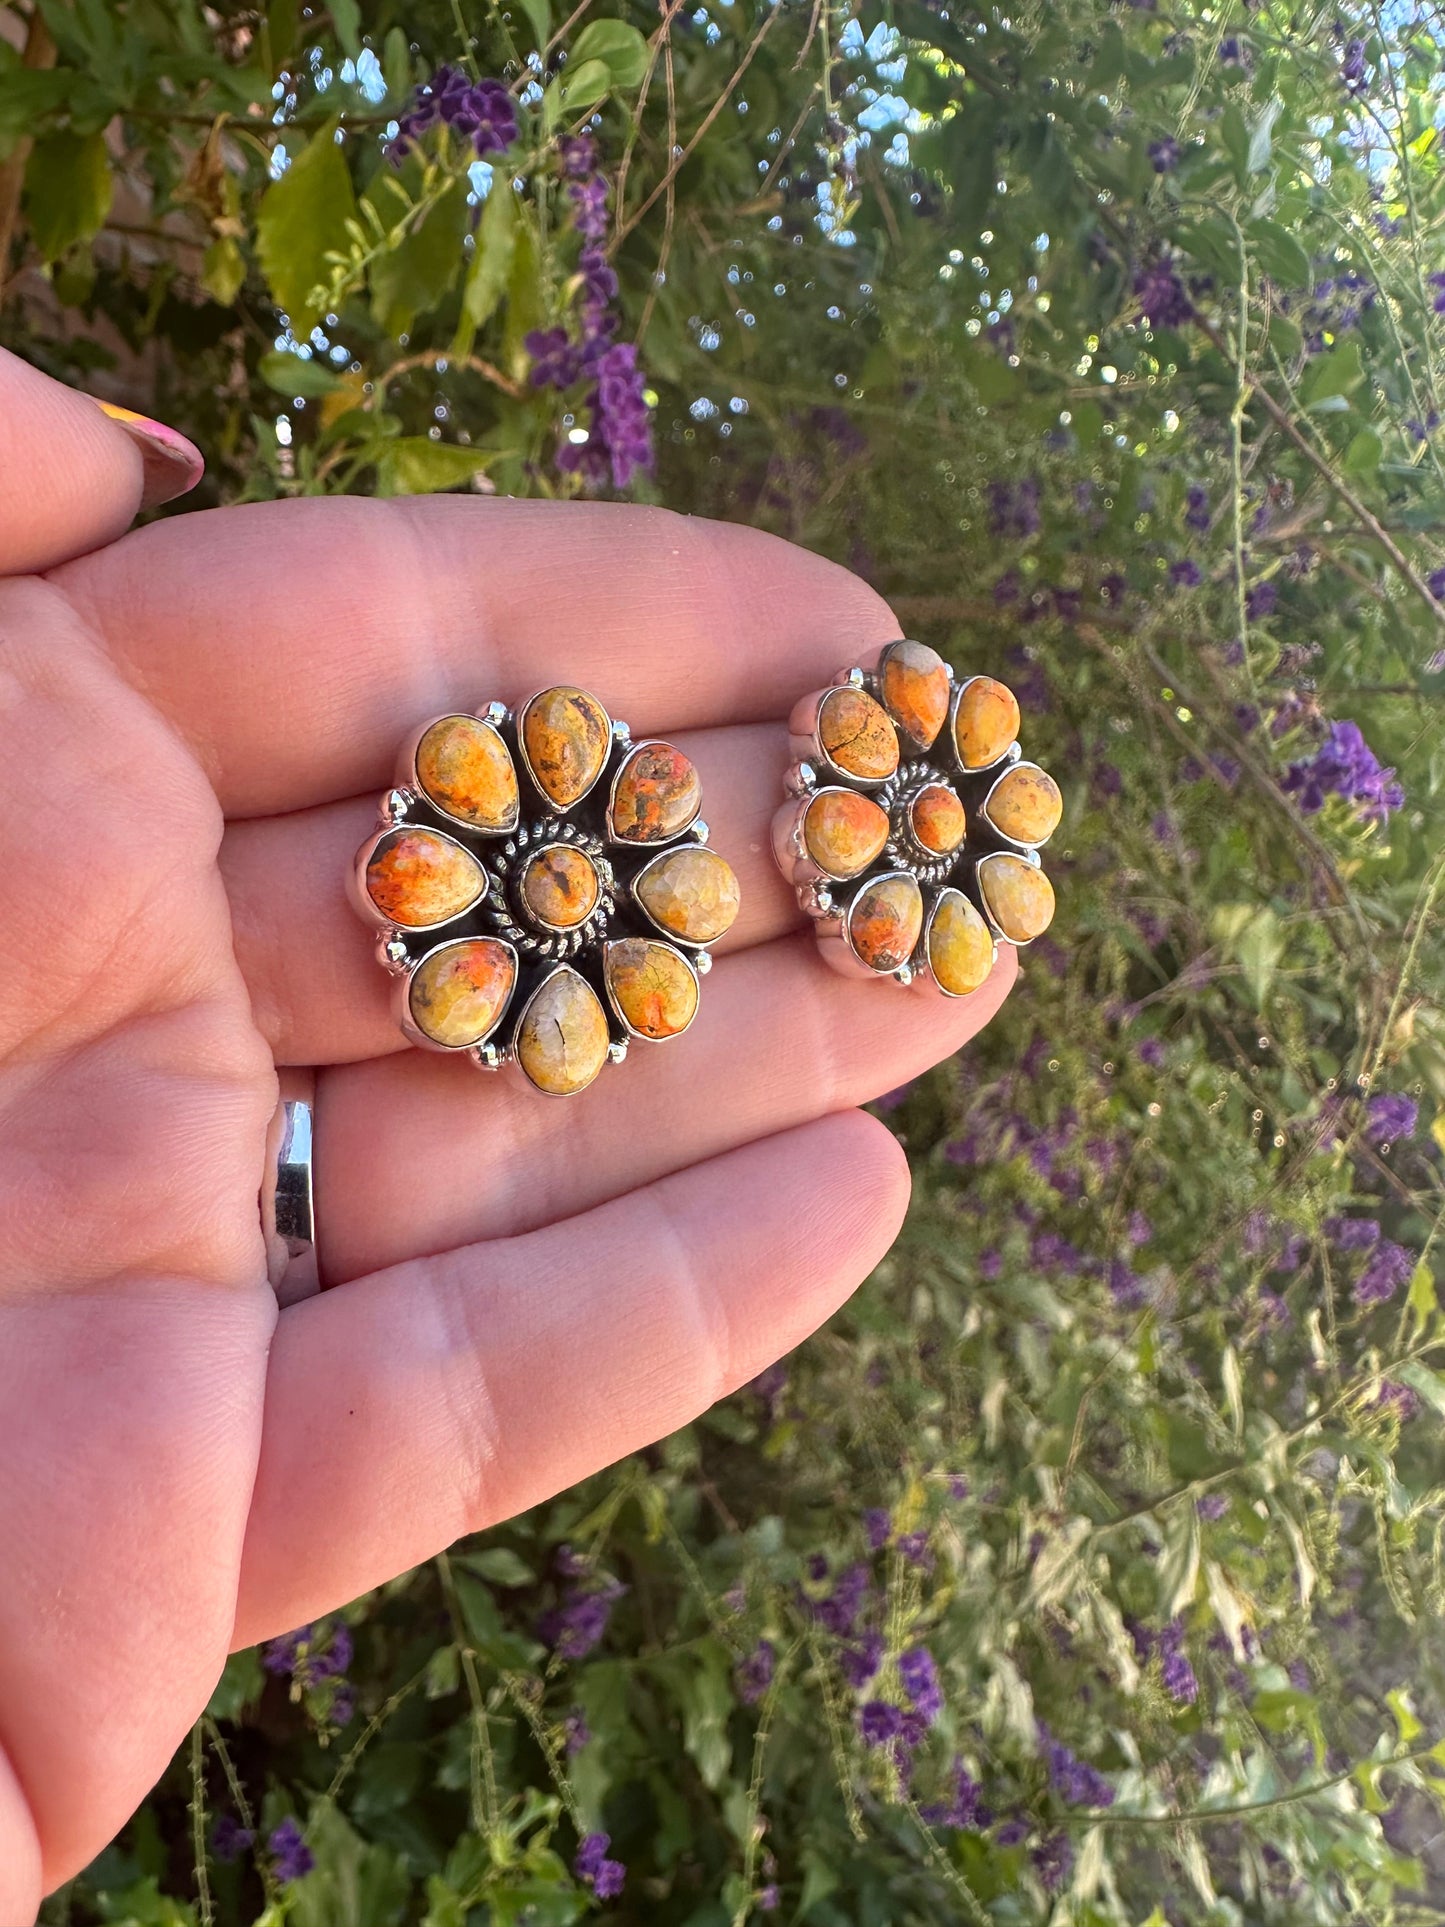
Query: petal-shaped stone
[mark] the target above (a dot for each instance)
(884, 921)
(656, 795)
(914, 681)
(459, 990)
(568, 738)
(960, 944)
(985, 722)
(857, 734)
(559, 886)
(651, 985)
(465, 768)
(937, 819)
(1025, 804)
(1019, 897)
(843, 831)
(420, 877)
(563, 1037)
(691, 893)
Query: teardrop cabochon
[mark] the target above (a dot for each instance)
(411, 877)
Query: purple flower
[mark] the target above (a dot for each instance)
(957, 1483)
(840, 1610)
(307, 1656)
(1299, 1676)
(620, 443)
(1151, 1052)
(604, 1876)
(769, 1898)
(1390, 1114)
(1345, 766)
(914, 1548)
(556, 360)
(1012, 1833)
(876, 1527)
(1196, 509)
(575, 1626)
(918, 1676)
(589, 211)
(858, 1664)
(229, 1839)
(578, 154)
(611, 1879)
(1352, 1234)
(1175, 1671)
(879, 1722)
(1164, 155)
(1185, 573)
(482, 110)
(1162, 299)
(1261, 601)
(1053, 1860)
(1399, 1400)
(1013, 507)
(1352, 69)
(290, 1855)
(576, 1732)
(1140, 1229)
(1233, 53)
(754, 1674)
(1389, 1267)
(1435, 583)
(1126, 1287)
(1080, 1784)
(1213, 1505)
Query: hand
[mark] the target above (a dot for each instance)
(195, 721)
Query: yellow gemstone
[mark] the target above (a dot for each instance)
(459, 991)
(420, 877)
(856, 733)
(652, 987)
(985, 722)
(843, 831)
(1020, 898)
(658, 793)
(937, 819)
(691, 893)
(914, 682)
(1025, 804)
(960, 944)
(884, 921)
(563, 1037)
(567, 737)
(463, 766)
(559, 886)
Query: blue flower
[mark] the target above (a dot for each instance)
(918, 1676)
(1080, 1784)
(1345, 766)
(879, 1722)
(1390, 1114)
(290, 1855)
(1164, 155)
(1389, 1267)
(229, 1839)
(754, 1675)
(605, 1877)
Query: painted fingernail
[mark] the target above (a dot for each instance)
(172, 464)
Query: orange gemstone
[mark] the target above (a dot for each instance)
(563, 1038)
(568, 738)
(1025, 804)
(691, 893)
(459, 990)
(884, 921)
(843, 831)
(651, 986)
(960, 945)
(559, 886)
(420, 877)
(1020, 898)
(463, 766)
(657, 794)
(914, 682)
(856, 733)
(985, 722)
(937, 820)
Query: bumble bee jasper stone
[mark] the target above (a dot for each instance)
(563, 1037)
(985, 722)
(960, 945)
(937, 819)
(658, 793)
(914, 683)
(652, 987)
(1019, 897)
(1026, 804)
(463, 766)
(843, 831)
(568, 738)
(459, 991)
(885, 920)
(559, 886)
(420, 877)
(691, 893)
(857, 734)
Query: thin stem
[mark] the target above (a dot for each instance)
(483, 1767)
(198, 1826)
(1207, 1816)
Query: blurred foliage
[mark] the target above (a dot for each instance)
(1107, 341)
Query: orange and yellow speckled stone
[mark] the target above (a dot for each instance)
(559, 886)
(884, 921)
(691, 893)
(857, 734)
(985, 722)
(562, 1040)
(567, 737)
(1020, 898)
(960, 945)
(937, 819)
(651, 986)
(656, 795)
(1025, 804)
(914, 681)
(843, 831)
(459, 990)
(464, 767)
(419, 877)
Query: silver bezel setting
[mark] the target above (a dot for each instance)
(1017, 761)
(410, 786)
(401, 999)
(634, 750)
(690, 964)
(615, 730)
(366, 904)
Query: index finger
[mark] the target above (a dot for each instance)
(294, 644)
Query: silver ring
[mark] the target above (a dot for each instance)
(288, 1197)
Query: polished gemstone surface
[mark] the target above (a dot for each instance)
(652, 986)
(563, 1037)
(419, 877)
(464, 767)
(1019, 897)
(559, 886)
(885, 921)
(459, 991)
(985, 723)
(1026, 804)
(937, 819)
(857, 734)
(960, 944)
(567, 737)
(915, 686)
(657, 794)
(691, 893)
(843, 831)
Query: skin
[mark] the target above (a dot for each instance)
(196, 719)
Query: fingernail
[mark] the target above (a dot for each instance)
(173, 465)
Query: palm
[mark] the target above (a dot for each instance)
(185, 1471)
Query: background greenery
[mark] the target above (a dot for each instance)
(1107, 342)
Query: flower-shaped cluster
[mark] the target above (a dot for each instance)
(543, 888)
(913, 833)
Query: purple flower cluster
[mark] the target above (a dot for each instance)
(605, 1877)
(1196, 509)
(229, 1839)
(290, 1855)
(1260, 600)
(1164, 155)
(1390, 1115)
(1178, 1676)
(480, 110)
(577, 1623)
(1013, 507)
(316, 1663)
(1353, 70)
(918, 1676)
(1389, 1267)
(1163, 301)
(1053, 1860)
(1344, 765)
(754, 1675)
(1073, 1779)
(1400, 1401)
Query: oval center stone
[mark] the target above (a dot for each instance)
(937, 820)
(559, 886)
(459, 991)
(1025, 804)
(915, 686)
(562, 1040)
(652, 987)
(464, 768)
(656, 796)
(843, 831)
(420, 877)
(885, 919)
(1020, 898)
(691, 893)
(567, 739)
(857, 735)
(985, 722)
(960, 945)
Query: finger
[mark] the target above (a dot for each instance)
(430, 1400)
(295, 643)
(316, 990)
(75, 472)
(413, 1157)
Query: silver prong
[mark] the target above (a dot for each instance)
(816, 899)
(621, 735)
(801, 780)
(395, 806)
(904, 973)
(617, 1051)
(701, 962)
(391, 949)
(1015, 750)
(487, 1057)
(496, 714)
(699, 831)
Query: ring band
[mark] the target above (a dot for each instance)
(288, 1197)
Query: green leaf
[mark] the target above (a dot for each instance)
(1280, 255)
(223, 271)
(1261, 136)
(68, 188)
(281, 22)
(239, 1685)
(416, 465)
(539, 19)
(573, 91)
(288, 374)
(491, 264)
(1362, 456)
(500, 1565)
(1333, 376)
(416, 275)
(621, 49)
(302, 218)
(396, 63)
(346, 18)
(1236, 139)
